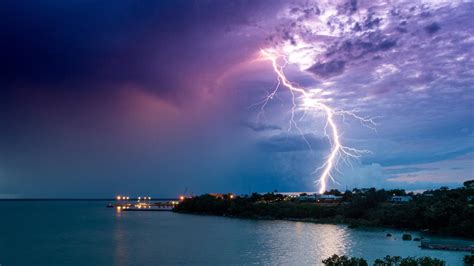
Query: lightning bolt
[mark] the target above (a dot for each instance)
(309, 102)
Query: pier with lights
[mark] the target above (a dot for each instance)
(125, 203)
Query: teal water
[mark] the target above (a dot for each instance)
(87, 233)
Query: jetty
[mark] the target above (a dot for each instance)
(124, 203)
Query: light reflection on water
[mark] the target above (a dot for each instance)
(119, 238)
(284, 242)
(87, 233)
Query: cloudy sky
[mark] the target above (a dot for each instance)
(161, 97)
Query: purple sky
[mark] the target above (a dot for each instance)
(153, 97)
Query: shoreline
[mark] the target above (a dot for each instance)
(443, 212)
(354, 224)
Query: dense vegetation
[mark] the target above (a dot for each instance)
(468, 260)
(336, 260)
(444, 210)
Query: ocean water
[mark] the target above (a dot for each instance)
(87, 233)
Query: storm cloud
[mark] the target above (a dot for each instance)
(95, 95)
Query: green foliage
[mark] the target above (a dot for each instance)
(443, 210)
(468, 260)
(469, 183)
(427, 261)
(406, 237)
(388, 261)
(335, 260)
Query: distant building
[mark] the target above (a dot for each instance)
(328, 198)
(307, 197)
(222, 196)
(320, 198)
(301, 196)
(295, 194)
(399, 199)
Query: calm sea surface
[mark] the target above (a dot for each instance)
(87, 233)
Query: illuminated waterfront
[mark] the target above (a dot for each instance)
(85, 232)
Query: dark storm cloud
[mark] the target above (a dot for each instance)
(353, 37)
(328, 69)
(93, 91)
(405, 170)
(417, 158)
(102, 92)
(77, 44)
(261, 126)
(348, 7)
(351, 51)
(291, 143)
(432, 28)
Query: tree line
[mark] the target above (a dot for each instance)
(445, 211)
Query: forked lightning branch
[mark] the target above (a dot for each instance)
(308, 102)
